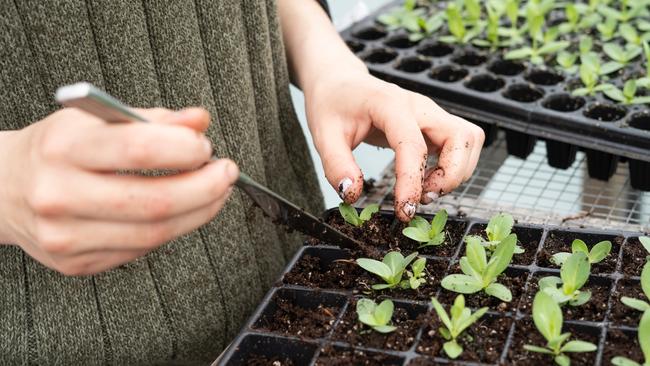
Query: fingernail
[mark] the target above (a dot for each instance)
(232, 172)
(344, 184)
(432, 196)
(409, 209)
(207, 145)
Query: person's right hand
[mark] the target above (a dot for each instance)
(62, 202)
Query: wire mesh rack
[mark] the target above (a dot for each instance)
(535, 192)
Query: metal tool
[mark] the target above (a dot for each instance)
(98, 103)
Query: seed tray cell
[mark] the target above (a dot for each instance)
(528, 101)
(324, 279)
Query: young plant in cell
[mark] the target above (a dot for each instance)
(607, 29)
(644, 341)
(632, 36)
(626, 96)
(620, 55)
(376, 316)
(479, 274)
(567, 61)
(472, 13)
(597, 253)
(637, 304)
(428, 234)
(646, 55)
(547, 317)
(426, 27)
(352, 217)
(577, 22)
(460, 33)
(415, 275)
(405, 16)
(590, 71)
(573, 276)
(628, 10)
(495, 10)
(513, 33)
(498, 228)
(454, 323)
(390, 269)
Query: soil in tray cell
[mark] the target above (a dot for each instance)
(621, 343)
(406, 317)
(376, 232)
(337, 356)
(560, 241)
(482, 342)
(513, 279)
(326, 269)
(257, 360)
(526, 333)
(262, 350)
(527, 238)
(622, 314)
(594, 310)
(453, 236)
(634, 257)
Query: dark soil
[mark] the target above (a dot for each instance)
(350, 330)
(622, 314)
(634, 257)
(513, 279)
(560, 241)
(619, 343)
(527, 238)
(375, 232)
(331, 356)
(256, 360)
(294, 320)
(311, 271)
(453, 236)
(594, 310)
(482, 342)
(526, 333)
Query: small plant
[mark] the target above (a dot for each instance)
(630, 34)
(479, 273)
(405, 16)
(415, 275)
(426, 27)
(390, 269)
(459, 319)
(498, 228)
(590, 70)
(352, 217)
(620, 55)
(495, 10)
(637, 304)
(567, 61)
(428, 234)
(459, 32)
(573, 276)
(376, 316)
(626, 96)
(547, 317)
(607, 29)
(575, 22)
(644, 341)
(597, 253)
(626, 11)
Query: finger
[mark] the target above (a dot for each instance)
(479, 139)
(405, 138)
(95, 262)
(195, 118)
(65, 237)
(134, 198)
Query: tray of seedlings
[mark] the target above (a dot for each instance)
(572, 73)
(461, 291)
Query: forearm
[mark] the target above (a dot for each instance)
(313, 46)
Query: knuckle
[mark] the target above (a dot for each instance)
(52, 146)
(45, 202)
(51, 239)
(158, 206)
(139, 151)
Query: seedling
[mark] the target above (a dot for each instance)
(376, 316)
(644, 341)
(495, 9)
(573, 276)
(607, 29)
(575, 22)
(415, 275)
(459, 32)
(631, 35)
(498, 228)
(428, 234)
(645, 242)
(426, 27)
(626, 96)
(620, 55)
(512, 13)
(479, 274)
(590, 70)
(472, 11)
(626, 11)
(597, 253)
(390, 269)
(547, 316)
(567, 61)
(352, 217)
(459, 319)
(637, 304)
(405, 16)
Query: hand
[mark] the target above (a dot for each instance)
(346, 108)
(62, 202)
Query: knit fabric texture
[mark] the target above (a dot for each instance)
(183, 303)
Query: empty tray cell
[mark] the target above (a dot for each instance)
(355, 46)
(563, 102)
(379, 56)
(605, 112)
(520, 144)
(302, 313)
(267, 350)
(339, 356)
(454, 231)
(560, 241)
(593, 311)
(527, 237)
(621, 343)
(413, 64)
(560, 154)
(482, 342)
(485, 83)
(544, 77)
(371, 33)
(435, 49)
(405, 318)
(469, 58)
(601, 165)
(324, 268)
(525, 93)
(640, 170)
(399, 41)
(634, 257)
(526, 333)
(448, 73)
(621, 314)
(506, 67)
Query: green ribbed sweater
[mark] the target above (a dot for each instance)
(183, 303)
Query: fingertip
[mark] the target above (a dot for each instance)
(196, 118)
(350, 188)
(405, 210)
(231, 170)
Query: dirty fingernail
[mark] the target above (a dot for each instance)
(344, 184)
(409, 209)
(432, 196)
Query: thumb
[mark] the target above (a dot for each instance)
(341, 170)
(195, 118)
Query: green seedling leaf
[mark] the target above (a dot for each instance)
(499, 227)
(644, 341)
(635, 304)
(459, 319)
(428, 234)
(350, 214)
(645, 241)
(641, 305)
(597, 253)
(367, 212)
(376, 316)
(463, 284)
(476, 254)
(416, 274)
(390, 269)
(499, 291)
(578, 346)
(575, 272)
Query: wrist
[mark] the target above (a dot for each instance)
(7, 153)
(346, 67)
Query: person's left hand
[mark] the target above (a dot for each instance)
(345, 109)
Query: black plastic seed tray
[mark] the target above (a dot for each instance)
(322, 284)
(528, 102)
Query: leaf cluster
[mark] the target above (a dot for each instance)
(597, 253)
(573, 276)
(498, 228)
(459, 319)
(429, 234)
(628, 95)
(352, 217)
(376, 316)
(391, 269)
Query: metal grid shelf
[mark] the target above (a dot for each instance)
(535, 192)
